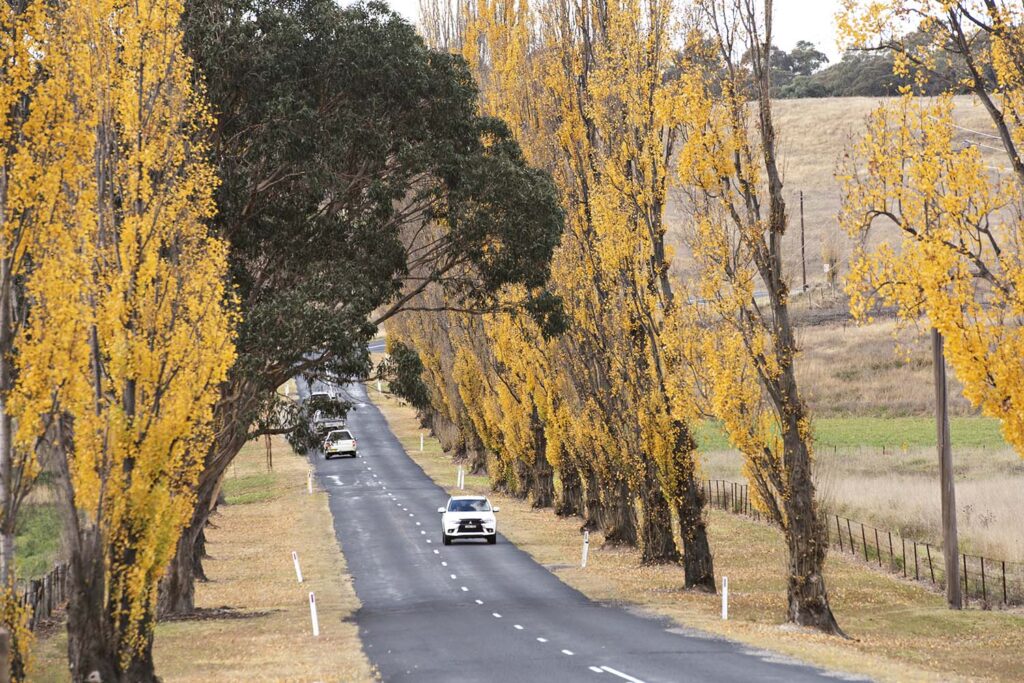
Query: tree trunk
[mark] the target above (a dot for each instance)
(571, 501)
(657, 544)
(543, 480)
(523, 473)
(93, 641)
(177, 591)
(698, 564)
(619, 518)
(594, 510)
(90, 646)
(6, 432)
(177, 587)
(805, 534)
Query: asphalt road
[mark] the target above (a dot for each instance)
(475, 612)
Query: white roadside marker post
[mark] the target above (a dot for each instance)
(309, 481)
(460, 478)
(725, 597)
(378, 387)
(298, 572)
(312, 615)
(421, 442)
(586, 549)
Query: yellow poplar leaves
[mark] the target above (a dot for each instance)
(130, 331)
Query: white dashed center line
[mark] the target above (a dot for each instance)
(464, 589)
(495, 615)
(444, 564)
(542, 640)
(479, 602)
(424, 533)
(625, 677)
(517, 627)
(567, 652)
(437, 552)
(596, 669)
(428, 540)
(411, 514)
(454, 577)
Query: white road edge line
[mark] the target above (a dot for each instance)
(625, 677)
(596, 669)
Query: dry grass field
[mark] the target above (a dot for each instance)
(900, 631)
(253, 617)
(813, 135)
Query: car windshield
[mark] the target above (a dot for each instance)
(337, 436)
(469, 505)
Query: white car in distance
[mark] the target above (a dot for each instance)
(339, 442)
(468, 517)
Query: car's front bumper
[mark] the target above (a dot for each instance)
(465, 529)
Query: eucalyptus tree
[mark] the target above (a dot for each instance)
(355, 172)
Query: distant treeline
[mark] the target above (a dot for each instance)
(805, 72)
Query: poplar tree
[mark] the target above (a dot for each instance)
(130, 330)
(737, 347)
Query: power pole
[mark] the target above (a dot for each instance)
(950, 545)
(803, 250)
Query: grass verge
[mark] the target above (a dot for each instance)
(899, 631)
(252, 620)
(893, 433)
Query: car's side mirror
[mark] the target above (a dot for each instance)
(441, 510)
(497, 509)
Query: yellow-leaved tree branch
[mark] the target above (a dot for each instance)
(940, 222)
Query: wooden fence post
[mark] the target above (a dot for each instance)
(966, 597)
(917, 572)
(903, 542)
(853, 547)
(864, 540)
(931, 568)
(984, 593)
(892, 560)
(1004, 582)
(839, 532)
(878, 547)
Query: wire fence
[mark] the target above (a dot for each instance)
(985, 580)
(44, 596)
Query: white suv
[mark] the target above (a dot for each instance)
(339, 442)
(468, 517)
